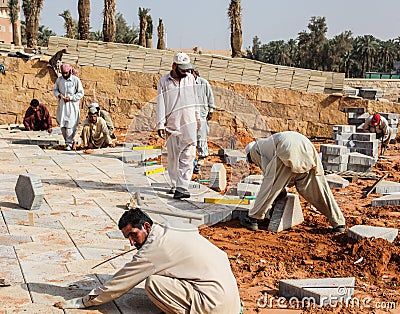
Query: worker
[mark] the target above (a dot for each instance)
(380, 126)
(178, 120)
(95, 132)
(183, 271)
(283, 157)
(106, 116)
(37, 117)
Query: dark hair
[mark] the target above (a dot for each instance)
(134, 217)
(34, 102)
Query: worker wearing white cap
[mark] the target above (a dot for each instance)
(106, 116)
(287, 156)
(178, 119)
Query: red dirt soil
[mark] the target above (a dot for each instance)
(259, 259)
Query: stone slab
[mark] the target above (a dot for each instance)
(365, 137)
(334, 167)
(324, 291)
(29, 190)
(359, 168)
(233, 156)
(358, 110)
(387, 187)
(344, 128)
(331, 149)
(336, 181)
(218, 177)
(359, 232)
(366, 151)
(286, 214)
(361, 159)
(335, 159)
(247, 189)
(391, 199)
(254, 179)
(366, 144)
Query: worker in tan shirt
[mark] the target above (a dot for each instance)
(95, 133)
(183, 272)
(287, 156)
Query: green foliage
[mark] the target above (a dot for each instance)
(44, 35)
(125, 33)
(343, 53)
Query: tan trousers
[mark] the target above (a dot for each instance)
(313, 188)
(171, 295)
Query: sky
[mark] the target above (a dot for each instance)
(205, 23)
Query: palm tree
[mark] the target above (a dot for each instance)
(142, 25)
(366, 47)
(70, 24)
(109, 27)
(149, 32)
(44, 34)
(84, 19)
(124, 33)
(235, 19)
(13, 9)
(387, 53)
(32, 10)
(160, 33)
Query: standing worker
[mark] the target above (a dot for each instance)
(380, 126)
(178, 120)
(183, 271)
(69, 90)
(287, 156)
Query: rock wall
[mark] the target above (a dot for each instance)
(130, 97)
(391, 88)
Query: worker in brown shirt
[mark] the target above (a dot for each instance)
(37, 118)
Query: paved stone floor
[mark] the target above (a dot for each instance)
(76, 225)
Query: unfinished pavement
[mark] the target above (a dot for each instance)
(76, 225)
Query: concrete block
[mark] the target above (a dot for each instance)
(132, 156)
(247, 189)
(365, 151)
(254, 179)
(355, 121)
(387, 187)
(286, 214)
(342, 136)
(363, 137)
(331, 149)
(359, 232)
(358, 110)
(232, 156)
(347, 143)
(218, 177)
(389, 116)
(29, 190)
(361, 159)
(334, 167)
(358, 168)
(335, 159)
(367, 144)
(336, 181)
(324, 291)
(344, 128)
(391, 199)
(354, 115)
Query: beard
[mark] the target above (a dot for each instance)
(181, 74)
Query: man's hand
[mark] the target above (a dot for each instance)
(50, 130)
(209, 116)
(161, 133)
(67, 99)
(76, 303)
(60, 96)
(198, 124)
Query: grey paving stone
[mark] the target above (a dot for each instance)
(218, 177)
(359, 232)
(358, 168)
(363, 137)
(13, 240)
(367, 144)
(355, 121)
(391, 199)
(361, 159)
(358, 110)
(286, 214)
(336, 181)
(355, 115)
(29, 190)
(334, 167)
(254, 179)
(335, 159)
(324, 291)
(342, 136)
(344, 128)
(247, 189)
(331, 149)
(232, 156)
(387, 187)
(370, 152)
(389, 115)
(131, 156)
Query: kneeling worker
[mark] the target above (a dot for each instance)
(183, 271)
(37, 118)
(287, 156)
(380, 126)
(95, 132)
(106, 116)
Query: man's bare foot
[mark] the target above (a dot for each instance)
(88, 151)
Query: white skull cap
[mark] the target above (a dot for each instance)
(181, 58)
(249, 147)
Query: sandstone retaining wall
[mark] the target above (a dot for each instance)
(391, 88)
(130, 97)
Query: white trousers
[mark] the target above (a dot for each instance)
(180, 161)
(202, 147)
(68, 134)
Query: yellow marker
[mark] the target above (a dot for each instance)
(145, 147)
(226, 201)
(31, 219)
(158, 170)
(75, 201)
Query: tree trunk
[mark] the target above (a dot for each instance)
(160, 32)
(142, 31)
(32, 14)
(16, 37)
(109, 27)
(84, 19)
(235, 17)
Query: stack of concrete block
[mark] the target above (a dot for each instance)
(360, 163)
(356, 116)
(334, 157)
(393, 120)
